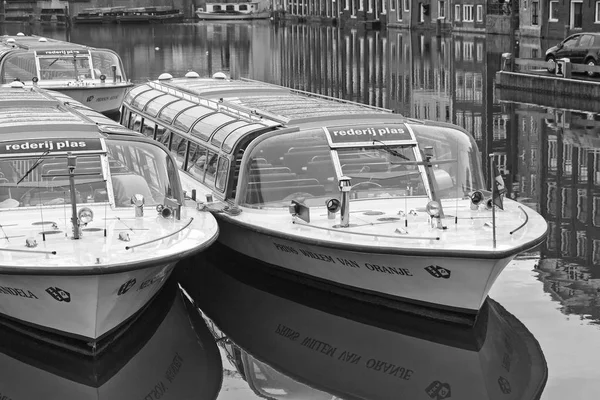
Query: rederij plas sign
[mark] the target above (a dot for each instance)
(62, 52)
(32, 147)
(366, 135)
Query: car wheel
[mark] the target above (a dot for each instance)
(551, 64)
(591, 62)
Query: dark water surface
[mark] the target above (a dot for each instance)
(540, 336)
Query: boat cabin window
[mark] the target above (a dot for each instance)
(148, 128)
(459, 172)
(32, 181)
(103, 62)
(136, 167)
(19, 66)
(141, 168)
(230, 8)
(196, 164)
(179, 149)
(243, 7)
(216, 8)
(65, 67)
(300, 165)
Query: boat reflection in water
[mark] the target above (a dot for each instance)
(312, 344)
(167, 353)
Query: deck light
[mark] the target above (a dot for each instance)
(192, 74)
(42, 39)
(20, 34)
(433, 209)
(85, 215)
(165, 76)
(476, 199)
(219, 75)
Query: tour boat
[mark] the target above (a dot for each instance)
(168, 353)
(159, 14)
(92, 76)
(93, 215)
(98, 15)
(224, 11)
(310, 344)
(358, 198)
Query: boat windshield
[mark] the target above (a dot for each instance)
(22, 66)
(35, 181)
(301, 165)
(138, 167)
(135, 168)
(65, 67)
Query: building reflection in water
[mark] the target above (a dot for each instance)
(314, 345)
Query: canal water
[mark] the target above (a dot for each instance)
(540, 334)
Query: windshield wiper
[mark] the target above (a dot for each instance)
(393, 152)
(34, 166)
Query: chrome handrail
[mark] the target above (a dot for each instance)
(367, 234)
(524, 223)
(29, 251)
(160, 238)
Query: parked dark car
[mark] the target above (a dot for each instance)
(580, 48)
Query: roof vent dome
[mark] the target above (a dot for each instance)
(10, 40)
(219, 75)
(20, 34)
(192, 74)
(17, 84)
(165, 76)
(42, 39)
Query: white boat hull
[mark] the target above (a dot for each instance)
(106, 100)
(399, 277)
(85, 307)
(93, 285)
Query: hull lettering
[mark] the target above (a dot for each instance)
(17, 292)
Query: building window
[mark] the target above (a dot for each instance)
(534, 12)
(393, 5)
(422, 12)
(597, 20)
(441, 9)
(457, 12)
(406, 5)
(479, 13)
(468, 13)
(553, 16)
(576, 14)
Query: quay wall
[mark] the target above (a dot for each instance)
(572, 88)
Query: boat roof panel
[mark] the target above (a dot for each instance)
(187, 118)
(231, 140)
(144, 98)
(136, 90)
(33, 43)
(168, 114)
(206, 127)
(154, 106)
(284, 103)
(220, 134)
